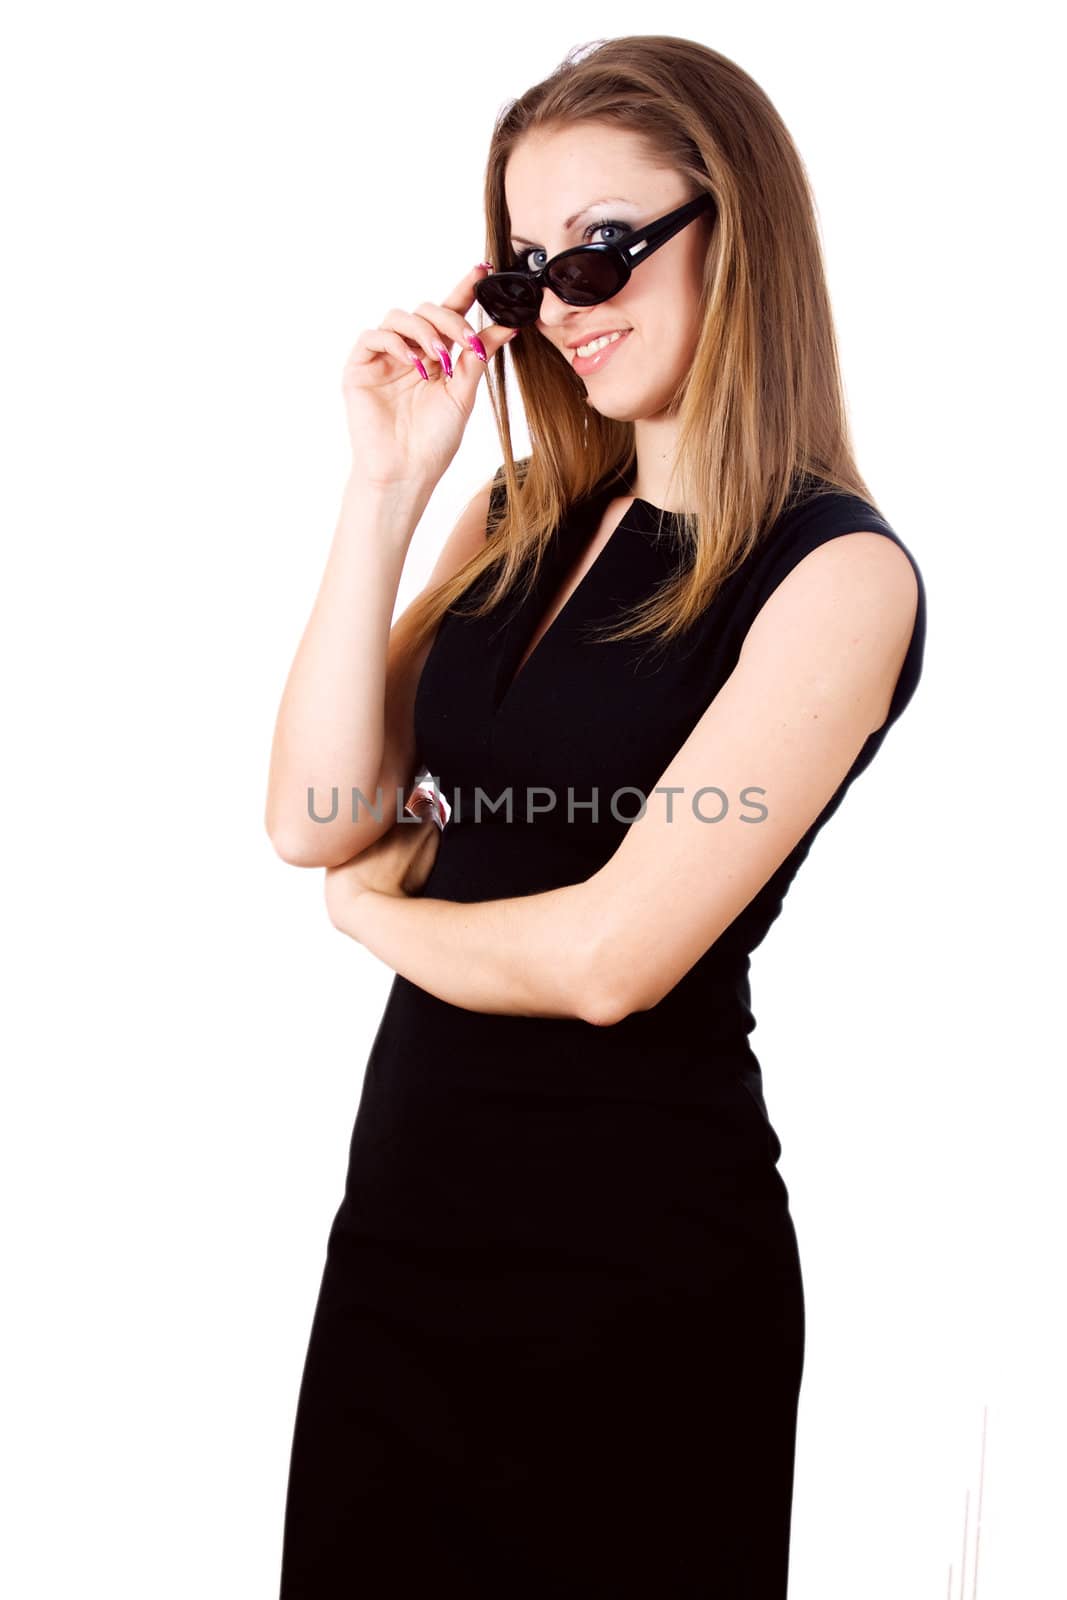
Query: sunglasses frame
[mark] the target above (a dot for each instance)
(629, 251)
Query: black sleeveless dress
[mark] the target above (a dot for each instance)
(558, 1344)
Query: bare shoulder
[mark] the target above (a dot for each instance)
(857, 581)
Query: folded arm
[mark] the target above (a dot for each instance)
(814, 679)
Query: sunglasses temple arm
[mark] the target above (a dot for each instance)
(652, 237)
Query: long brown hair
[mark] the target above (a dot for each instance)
(762, 401)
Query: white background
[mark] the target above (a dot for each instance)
(203, 207)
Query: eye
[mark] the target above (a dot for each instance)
(523, 261)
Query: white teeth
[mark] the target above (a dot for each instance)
(597, 344)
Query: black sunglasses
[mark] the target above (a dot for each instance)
(583, 276)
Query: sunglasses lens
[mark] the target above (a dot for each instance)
(580, 278)
(509, 298)
(585, 278)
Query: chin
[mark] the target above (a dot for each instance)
(624, 411)
(614, 413)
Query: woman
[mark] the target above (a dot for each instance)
(559, 1339)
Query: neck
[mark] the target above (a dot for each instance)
(656, 439)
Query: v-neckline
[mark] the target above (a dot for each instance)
(512, 667)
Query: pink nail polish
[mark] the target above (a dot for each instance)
(446, 359)
(477, 346)
(420, 366)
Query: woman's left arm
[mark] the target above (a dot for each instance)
(814, 679)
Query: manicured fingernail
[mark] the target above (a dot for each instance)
(477, 346)
(446, 359)
(420, 366)
(488, 265)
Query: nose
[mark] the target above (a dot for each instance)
(554, 311)
(556, 314)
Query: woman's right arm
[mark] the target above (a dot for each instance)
(346, 719)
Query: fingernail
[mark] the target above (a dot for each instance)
(488, 265)
(446, 359)
(477, 346)
(420, 366)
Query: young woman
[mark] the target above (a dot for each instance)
(559, 1339)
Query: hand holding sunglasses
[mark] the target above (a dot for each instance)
(583, 276)
(408, 400)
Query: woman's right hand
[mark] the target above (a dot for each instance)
(406, 428)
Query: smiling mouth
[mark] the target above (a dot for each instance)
(583, 352)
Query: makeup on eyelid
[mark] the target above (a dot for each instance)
(594, 205)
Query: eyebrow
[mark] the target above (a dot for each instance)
(610, 200)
